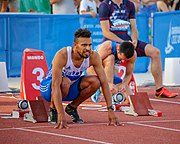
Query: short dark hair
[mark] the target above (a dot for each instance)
(127, 48)
(82, 32)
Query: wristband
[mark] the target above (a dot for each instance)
(110, 107)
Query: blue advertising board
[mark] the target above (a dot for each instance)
(166, 34)
(50, 33)
(142, 22)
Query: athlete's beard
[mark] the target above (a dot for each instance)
(85, 57)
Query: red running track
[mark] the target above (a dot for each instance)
(136, 130)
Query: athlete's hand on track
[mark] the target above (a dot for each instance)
(113, 119)
(61, 125)
(61, 122)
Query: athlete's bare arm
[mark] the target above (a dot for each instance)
(59, 62)
(129, 71)
(96, 62)
(134, 32)
(107, 33)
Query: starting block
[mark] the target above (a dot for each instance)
(22, 108)
(34, 68)
(38, 111)
(140, 106)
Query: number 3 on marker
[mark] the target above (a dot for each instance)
(39, 78)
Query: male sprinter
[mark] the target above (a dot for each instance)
(112, 54)
(64, 80)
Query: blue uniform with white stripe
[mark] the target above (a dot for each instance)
(119, 21)
(70, 71)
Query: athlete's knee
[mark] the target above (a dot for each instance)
(93, 82)
(109, 60)
(65, 85)
(157, 52)
(105, 49)
(107, 45)
(153, 52)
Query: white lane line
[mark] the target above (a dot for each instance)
(157, 127)
(94, 108)
(33, 127)
(91, 108)
(86, 105)
(91, 105)
(94, 124)
(66, 136)
(165, 101)
(155, 121)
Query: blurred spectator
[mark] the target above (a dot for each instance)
(88, 7)
(151, 6)
(77, 4)
(173, 4)
(64, 6)
(9, 5)
(163, 5)
(98, 3)
(35, 6)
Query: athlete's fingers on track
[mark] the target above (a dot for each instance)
(116, 123)
(112, 123)
(61, 125)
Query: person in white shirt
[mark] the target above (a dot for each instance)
(88, 7)
(64, 6)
